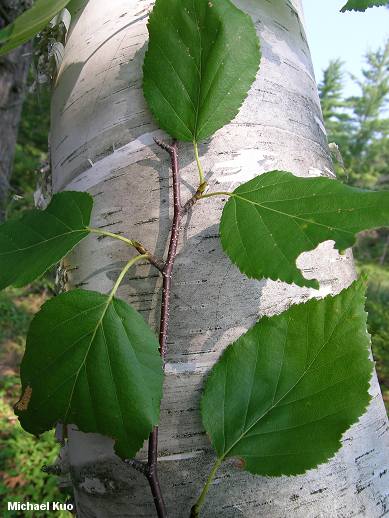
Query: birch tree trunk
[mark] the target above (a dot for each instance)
(102, 143)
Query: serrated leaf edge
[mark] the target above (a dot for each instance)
(358, 283)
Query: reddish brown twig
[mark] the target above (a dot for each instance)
(195, 198)
(165, 313)
(174, 234)
(150, 257)
(150, 469)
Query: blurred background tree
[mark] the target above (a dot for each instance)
(13, 78)
(24, 128)
(358, 127)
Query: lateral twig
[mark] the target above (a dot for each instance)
(150, 469)
(138, 246)
(150, 257)
(174, 234)
(195, 198)
(165, 313)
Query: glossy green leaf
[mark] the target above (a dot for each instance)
(34, 243)
(362, 5)
(270, 220)
(28, 24)
(93, 362)
(202, 59)
(283, 394)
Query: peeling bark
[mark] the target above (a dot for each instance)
(102, 142)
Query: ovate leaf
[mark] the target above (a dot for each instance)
(283, 394)
(270, 220)
(93, 362)
(202, 59)
(28, 24)
(30, 245)
(362, 5)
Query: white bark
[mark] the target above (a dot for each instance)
(98, 107)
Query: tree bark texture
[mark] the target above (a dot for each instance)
(13, 78)
(102, 142)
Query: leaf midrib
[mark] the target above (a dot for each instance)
(177, 75)
(243, 435)
(82, 364)
(79, 339)
(220, 106)
(109, 301)
(292, 216)
(40, 243)
(200, 72)
(171, 106)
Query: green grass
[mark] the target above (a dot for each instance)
(21, 459)
(21, 454)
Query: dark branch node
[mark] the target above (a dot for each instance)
(170, 149)
(197, 196)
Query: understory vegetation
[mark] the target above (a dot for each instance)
(21, 455)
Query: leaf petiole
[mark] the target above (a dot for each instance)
(129, 242)
(195, 511)
(131, 262)
(217, 193)
(199, 166)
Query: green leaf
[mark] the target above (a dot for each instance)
(34, 243)
(270, 220)
(362, 5)
(28, 24)
(283, 394)
(202, 59)
(91, 360)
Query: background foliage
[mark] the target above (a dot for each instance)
(22, 455)
(31, 151)
(359, 126)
